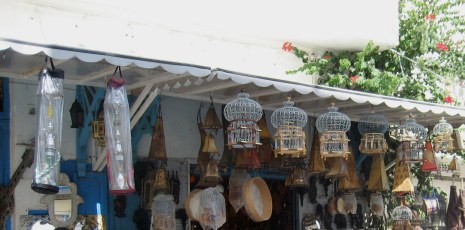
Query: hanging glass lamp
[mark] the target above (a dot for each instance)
(402, 215)
(443, 140)
(49, 129)
(412, 137)
(243, 114)
(289, 138)
(372, 126)
(332, 127)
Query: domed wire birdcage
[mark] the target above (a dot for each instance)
(402, 216)
(243, 114)
(289, 137)
(372, 126)
(332, 127)
(443, 140)
(412, 136)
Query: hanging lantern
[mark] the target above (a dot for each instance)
(98, 127)
(402, 215)
(212, 208)
(412, 137)
(163, 212)
(243, 114)
(378, 181)
(402, 179)
(77, 115)
(454, 166)
(332, 127)
(429, 159)
(289, 138)
(443, 140)
(316, 164)
(48, 143)
(372, 126)
(350, 182)
(118, 137)
(211, 119)
(209, 146)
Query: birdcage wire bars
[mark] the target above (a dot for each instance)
(443, 140)
(402, 216)
(372, 126)
(332, 127)
(289, 137)
(243, 114)
(412, 136)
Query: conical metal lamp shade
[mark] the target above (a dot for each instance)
(378, 178)
(211, 119)
(351, 181)
(157, 146)
(402, 179)
(210, 146)
(316, 164)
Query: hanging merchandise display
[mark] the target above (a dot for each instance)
(157, 146)
(372, 126)
(378, 181)
(236, 181)
(337, 167)
(454, 166)
(350, 203)
(257, 199)
(402, 215)
(163, 213)
(402, 179)
(211, 118)
(332, 127)
(49, 130)
(228, 153)
(212, 175)
(349, 183)
(453, 219)
(443, 140)
(192, 204)
(412, 136)
(247, 158)
(118, 137)
(209, 145)
(376, 204)
(429, 159)
(212, 208)
(289, 138)
(77, 115)
(298, 178)
(431, 205)
(316, 164)
(243, 114)
(265, 151)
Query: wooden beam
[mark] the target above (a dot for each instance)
(161, 78)
(140, 99)
(101, 73)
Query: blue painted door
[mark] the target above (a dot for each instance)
(5, 135)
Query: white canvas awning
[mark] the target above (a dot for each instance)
(20, 60)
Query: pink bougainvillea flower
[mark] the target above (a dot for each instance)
(442, 46)
(449, 99)
(430, 17)
(354, 78)
(287, 46)
(327, 56)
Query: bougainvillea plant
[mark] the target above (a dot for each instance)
(430, 56)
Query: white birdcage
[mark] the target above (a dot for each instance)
(402, 215)
(372, 126)
(443, 140)
(243, 114)
(412, 136)
(289, 138)
(332, 127)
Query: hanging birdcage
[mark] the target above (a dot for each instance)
(372, 126)
(402, 215)
(332, 127)
(243, 114)
(412, 136)
(443, 140)
(289, 138)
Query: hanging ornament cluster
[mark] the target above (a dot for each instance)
(372, 126)
(402, 215)
(443, 140)
(243, 114)
(118, 137)
(412, 136)
(49, 126)
(332, 127)
(289, 138)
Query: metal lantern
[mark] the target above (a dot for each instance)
(289, 138)
(412, 137)
(372, 126)
(443, 140)
(98, 127)
(77, 115)
(163, 212)
(332, 127)
(402, 215)
(49, 123)
(118, 138)
(243, 114)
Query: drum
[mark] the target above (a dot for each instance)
(257, 199)
(192, 204)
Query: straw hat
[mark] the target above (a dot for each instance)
(257, 199)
